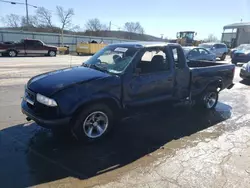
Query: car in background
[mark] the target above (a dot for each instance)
(245, 71)
(240, 47)
(242, 55)
(219, 49)
(197, 53)
(27, 47)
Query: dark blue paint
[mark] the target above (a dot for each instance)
(240, 56)
(75, 87)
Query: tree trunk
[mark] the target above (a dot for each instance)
(62, 38)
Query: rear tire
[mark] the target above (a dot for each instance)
(12, 53)
(223, 57)
(234, 62)
(208, 99)
(93, 123)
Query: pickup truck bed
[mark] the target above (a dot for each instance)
(205, 72)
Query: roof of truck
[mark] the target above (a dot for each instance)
(237, 25)
(143, 44)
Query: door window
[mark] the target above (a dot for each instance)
(29, 43)
(203, 51)
(154, 60)
(37, 43)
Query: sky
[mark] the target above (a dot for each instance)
(165, 17)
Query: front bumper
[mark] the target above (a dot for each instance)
(244, 74)
(46, 123)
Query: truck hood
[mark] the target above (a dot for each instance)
(51, 82)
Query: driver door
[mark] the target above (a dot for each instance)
(151, 84)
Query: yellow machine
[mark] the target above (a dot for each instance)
(186, 38)
(89, 48)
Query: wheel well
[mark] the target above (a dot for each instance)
(12, 50)
(215, 85)
(107, 101)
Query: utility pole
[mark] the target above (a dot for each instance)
(110, 26)
(27, 13)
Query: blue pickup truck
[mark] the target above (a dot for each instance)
(89, 99)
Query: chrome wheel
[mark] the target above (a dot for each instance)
(210, 99)
(95, 124)
(12, 53)
(52, 53)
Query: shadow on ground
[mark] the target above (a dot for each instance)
(245, 82)
(31, 156)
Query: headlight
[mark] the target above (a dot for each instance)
(45, 100)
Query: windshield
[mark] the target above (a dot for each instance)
(243, 47)
(206, 45)
(189, 35)
(113, 59)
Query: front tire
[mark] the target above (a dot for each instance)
(223, 57)
(93, 123)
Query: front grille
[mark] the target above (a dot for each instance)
(30, 97)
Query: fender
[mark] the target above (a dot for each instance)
(97, 97)
(217, 81)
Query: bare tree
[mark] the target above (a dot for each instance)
(33, 21)
(65, 17)
(211, 38)
(95, 25)
(133, 27)
(11, 20)
(44, 17)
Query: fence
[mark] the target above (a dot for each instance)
(55, 38)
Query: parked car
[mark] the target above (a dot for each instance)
(219, 49)
(89, 99)
(27, 47)
(197, 53)
(242, 55)
(245, 71)
(240, 47)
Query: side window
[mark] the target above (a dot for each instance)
(153, 60)
(194, 53)
(37, 43)
(203, 51)
(216, 46)
(175, 55)
(29, 42)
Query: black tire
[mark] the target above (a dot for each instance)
(80, 131)
(78, 53)
(52, 53)
(234, 62)
(223, 57)
(204, 101)
(12, 53)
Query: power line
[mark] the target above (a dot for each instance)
(17, 3)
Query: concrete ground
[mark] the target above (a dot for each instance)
(161, 147)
